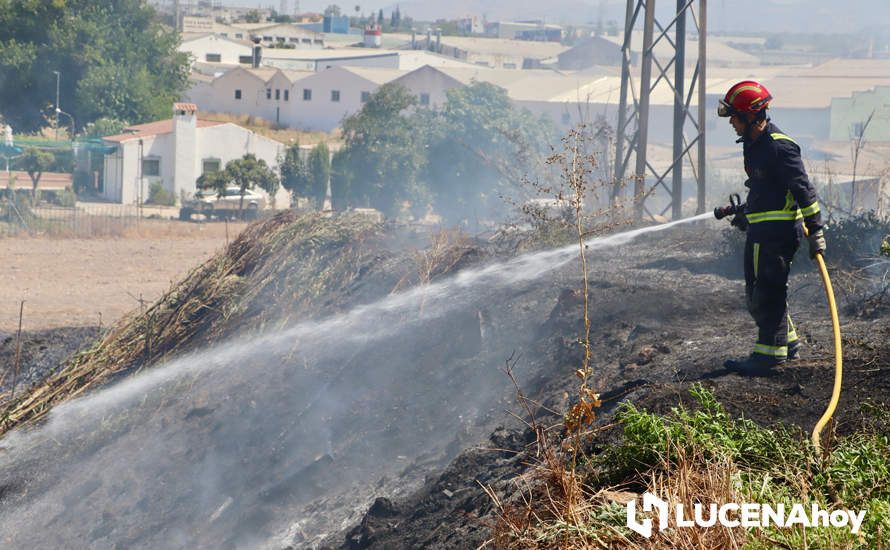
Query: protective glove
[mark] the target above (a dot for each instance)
(740, 221)
(817, 243)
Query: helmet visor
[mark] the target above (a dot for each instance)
(724, 109)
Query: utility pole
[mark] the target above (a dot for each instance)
(632, 133)
(8, 146)
(139, 185)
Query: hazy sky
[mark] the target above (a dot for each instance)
(724, 15)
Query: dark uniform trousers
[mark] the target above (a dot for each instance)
(767, 265)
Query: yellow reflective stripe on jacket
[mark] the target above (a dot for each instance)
(779, 135)
(810, 210)
(774, 216)
(773, 351)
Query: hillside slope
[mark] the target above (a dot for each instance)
(336, 382)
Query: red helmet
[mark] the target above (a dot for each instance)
(746, 97)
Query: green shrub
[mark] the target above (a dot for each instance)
(730, 248)
(158, 195)
(650, 439)
(66, 197)
(855, 241)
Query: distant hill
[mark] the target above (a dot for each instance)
(770, 15)
(565, 11)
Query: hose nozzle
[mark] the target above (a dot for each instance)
(735, 207)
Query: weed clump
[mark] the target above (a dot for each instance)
(856, 241)
(704, 455)
(651, 441)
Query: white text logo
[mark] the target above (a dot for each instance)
(748, 514)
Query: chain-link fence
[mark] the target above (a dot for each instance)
(19, 217)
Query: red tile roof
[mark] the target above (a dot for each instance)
(154, 129)
(48, 180)
(185, 107)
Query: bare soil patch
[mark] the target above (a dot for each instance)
(82, 282)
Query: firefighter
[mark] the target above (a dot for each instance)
(780, 201)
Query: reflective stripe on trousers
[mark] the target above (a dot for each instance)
(767, 265)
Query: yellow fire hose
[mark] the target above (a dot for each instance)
(735, 207)
(838, 354)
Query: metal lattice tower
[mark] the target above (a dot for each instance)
(632, 134)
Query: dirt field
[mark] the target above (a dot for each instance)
(77, 282)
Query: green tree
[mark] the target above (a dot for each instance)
(114, 59)
(382, 157)
(214, 181)
(245, 173)
(481, 148)
(35, 162)
(253, 16)
(104, 126)
(249, 172)
(319, 169)
(342, 194)
(332, 10)
(294, 174)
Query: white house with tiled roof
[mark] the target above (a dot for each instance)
(175, 152)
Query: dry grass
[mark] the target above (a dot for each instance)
(557, 510)
(288, 259)
(98, 227)
(270, 129)
(169, 229)
(689, 479)
(446, 250)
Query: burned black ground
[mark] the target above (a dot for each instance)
(40, 353)
(662, 323)
(409, 434)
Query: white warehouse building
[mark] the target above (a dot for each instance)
(264, 92)
(212, 48)
(175, 152)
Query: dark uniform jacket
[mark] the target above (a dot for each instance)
(780, 193)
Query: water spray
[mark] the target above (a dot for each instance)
(233, 469)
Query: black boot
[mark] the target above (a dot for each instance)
(794, 350)
(755, 364)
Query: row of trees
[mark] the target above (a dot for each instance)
(114, 59)
(307, 178)
(461, 160)
(393, 23)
